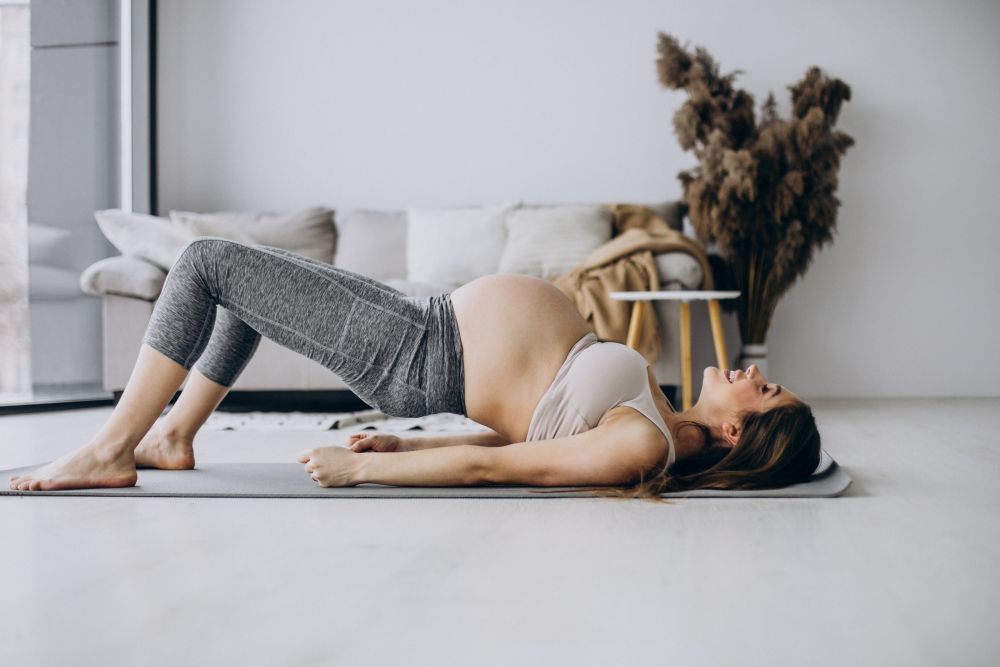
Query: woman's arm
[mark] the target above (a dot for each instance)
(613, 453)
(459, 465)
(610, 454)
(485, 439)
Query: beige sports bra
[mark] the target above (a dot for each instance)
(596, 377)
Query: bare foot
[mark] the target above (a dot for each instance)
(165, 449)
(90, 467)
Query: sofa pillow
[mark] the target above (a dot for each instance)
(678, 270)
(124, 276)
(548, 241)
(454, 245)
(372, 243)
(310, 232)
(149, 237)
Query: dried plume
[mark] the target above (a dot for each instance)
(764, 191)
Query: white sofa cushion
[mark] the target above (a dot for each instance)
(124, 276)
(548, 241)
(678, 271)
(372, 243)
(310, 232)
(149, 237)
(453, 246)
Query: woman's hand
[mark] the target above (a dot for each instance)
(332, 466)
(375, 442)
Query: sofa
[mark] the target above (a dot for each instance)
(407, 249)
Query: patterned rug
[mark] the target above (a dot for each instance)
(362, 420)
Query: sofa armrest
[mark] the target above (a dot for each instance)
(679, 270)
(125, 276)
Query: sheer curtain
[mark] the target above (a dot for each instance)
(15, 58)
(61, 158)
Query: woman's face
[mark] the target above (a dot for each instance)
(730, 393)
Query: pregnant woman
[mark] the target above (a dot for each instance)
(510, 352)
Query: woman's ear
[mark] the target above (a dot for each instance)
(730, 433)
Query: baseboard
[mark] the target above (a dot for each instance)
(52, 406)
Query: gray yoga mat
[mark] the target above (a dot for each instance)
(288, 480)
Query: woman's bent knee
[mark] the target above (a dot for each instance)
(203, 244)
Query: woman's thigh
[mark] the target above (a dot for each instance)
(324, 265)
(441, 355)
(372, 336)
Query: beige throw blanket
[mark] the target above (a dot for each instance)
(626, 263)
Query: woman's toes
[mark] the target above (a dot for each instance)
(25, 484)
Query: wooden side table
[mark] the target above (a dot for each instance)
(684, 299)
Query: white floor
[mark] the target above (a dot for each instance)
(902, 569)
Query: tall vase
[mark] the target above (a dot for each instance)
(753, 354)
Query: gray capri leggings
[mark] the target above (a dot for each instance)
(398, 353)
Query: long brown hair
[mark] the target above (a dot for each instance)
(776, 448)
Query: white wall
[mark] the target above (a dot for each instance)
(389, 103)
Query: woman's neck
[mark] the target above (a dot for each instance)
(688, 440)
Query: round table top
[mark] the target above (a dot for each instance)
(673, 295)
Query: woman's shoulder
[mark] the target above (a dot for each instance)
(627, 422)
